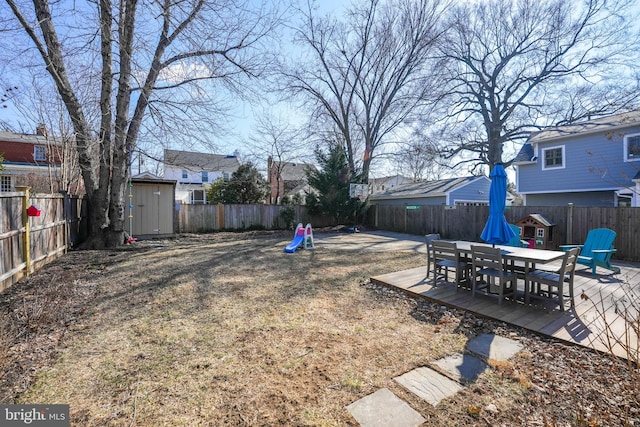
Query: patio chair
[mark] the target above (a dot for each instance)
(491, 272)
(446, 256)
(515, 240)
(428, 239)
(596, 250)
(550, 285)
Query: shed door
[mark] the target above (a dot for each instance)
(145, 207)
(152, 209)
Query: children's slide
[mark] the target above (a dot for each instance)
(298, 240)
(303, 238)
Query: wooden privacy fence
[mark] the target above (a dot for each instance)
(29, 242)
(209, 218)
(467, 222)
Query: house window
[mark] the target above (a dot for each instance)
(205, 176)
(225, 176)
(553, 158)
(5, 183)
(39, 153)
(632, 148)
(540, 233)
(198, 197)
(185, 175)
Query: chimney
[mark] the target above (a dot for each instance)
(41, 130)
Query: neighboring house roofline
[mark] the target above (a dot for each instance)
(589, 127)
(195, 162)
(426, 189)
(387, 178)
(33, 139)
(292, 171)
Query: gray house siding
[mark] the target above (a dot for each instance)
(594, 165)
(595, 198)
(476, 191)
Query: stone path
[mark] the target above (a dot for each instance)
(443, 379)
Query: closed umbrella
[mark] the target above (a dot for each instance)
(497, 230)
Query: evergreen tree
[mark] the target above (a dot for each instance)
(246, 186)
(331, 183)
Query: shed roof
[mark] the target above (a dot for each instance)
(439, 188)
(148, 177)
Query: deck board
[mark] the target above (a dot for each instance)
(582, 325)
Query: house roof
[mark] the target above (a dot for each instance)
(290, 171)
(526, 154)
(201, 161)
(28, 138)
(609, 123)
(22, 137)
(438, 188)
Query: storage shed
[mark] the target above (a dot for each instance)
(537, 230)
(151, 206)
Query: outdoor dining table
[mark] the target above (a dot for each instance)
(528, 256)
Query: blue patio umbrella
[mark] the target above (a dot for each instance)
(497, 230)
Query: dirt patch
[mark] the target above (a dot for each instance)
(226, 329)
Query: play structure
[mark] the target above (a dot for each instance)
(303, 238)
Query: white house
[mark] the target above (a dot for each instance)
(386, 183)
(193, 172)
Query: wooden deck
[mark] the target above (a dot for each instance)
(583, 325)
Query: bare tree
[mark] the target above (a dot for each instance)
(419, 159)
(367, 75)
(276, 142)
(516, 66)
(128, 61)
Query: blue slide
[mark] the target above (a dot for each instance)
(295, 244)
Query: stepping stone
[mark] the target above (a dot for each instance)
(429, 384)
(384, 409)
(462, 367)
(494, 347)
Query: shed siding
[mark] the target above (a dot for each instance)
(593, 162)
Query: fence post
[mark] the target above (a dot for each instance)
(26, 236)
(375, 216)
(405, 218)
(220, 216)
(570, 223)
(66, 213)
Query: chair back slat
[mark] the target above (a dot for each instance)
(486, 257)
(443, 250)
(569, 262)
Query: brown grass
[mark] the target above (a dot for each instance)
(218, 330)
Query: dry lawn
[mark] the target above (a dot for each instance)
(227, 329)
